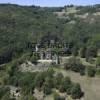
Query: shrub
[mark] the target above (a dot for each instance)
(75, 65)
(50, 72)
(75, 51)
(58, 80)
(7, 97)
(76, 91)
(91, 71)
(34, 58)
(98, 72)
(83, 52)
(4, 91)
(66, 83)
(58, 97)
(91, 52)
(47, 88)
(48, 85)
(39, 80)
(98, 61)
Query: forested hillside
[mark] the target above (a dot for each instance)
(22, 24)
(63, 64)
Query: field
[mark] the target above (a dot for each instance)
(89, 85)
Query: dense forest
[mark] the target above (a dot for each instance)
(20, 25)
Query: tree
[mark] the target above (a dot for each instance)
(39, 80)
(91, 52)
(65, 85)
(58, 79)
(34, 58)
(50, 72)
(46, 89)
(7, 96)
(82, 70)
(75, 51)
(48, 85)
(4, 92)
(83, 52)
(76, 91)
(91, 71)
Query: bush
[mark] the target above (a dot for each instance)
(98, 61)
(58, 80)
(98, 72)
(58, 97)
(75, 65)
(76, 91)
(82, 72)
(91, 60)
(48, 85)
(91, 71)
(83, 52)
(7, 97)
(91, 52)
(65, 85)
(50, 72)
(39, 80)
(75, 51)
(34, 58)
(47, 88)
(4, 92)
